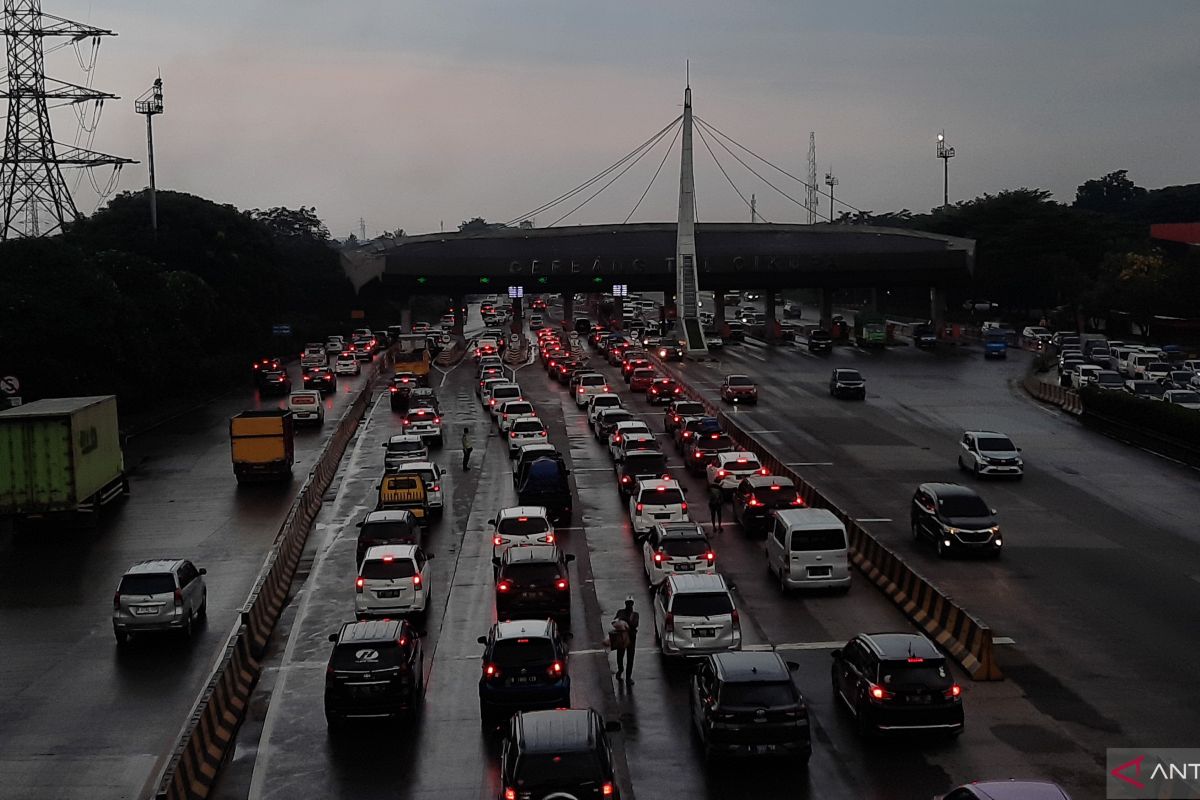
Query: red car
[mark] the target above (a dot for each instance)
(641, 379)
(739, 389)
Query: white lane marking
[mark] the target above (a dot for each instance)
(592, 469)
(764, 431)
(1003, 640)
(760, 648)
(874, 519)
(809, 464)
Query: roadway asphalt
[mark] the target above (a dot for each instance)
(1098, 583)
(78, 717)
(444, 754)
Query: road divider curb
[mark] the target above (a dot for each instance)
(206, 738)
(965, 638)
(1065, 399)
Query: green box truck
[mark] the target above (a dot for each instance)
(61, 457)
(870, 329)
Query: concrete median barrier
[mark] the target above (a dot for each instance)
(207, 736)
(964, 637)
(1066, 399)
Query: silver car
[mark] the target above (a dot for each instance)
(695, 615)
(159, 595)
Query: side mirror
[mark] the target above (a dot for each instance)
(836, 655)
(203, 571)
(430, 556)
(570, 557)
(566, 472)
(333, 637)
(482, 640)
(491, 522)
(994, 511)
(793, 666)
(1020, 450)
(612, 726)
(385, 445)
(358, 524)
(496, 561)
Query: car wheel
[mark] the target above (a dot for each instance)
(961, 466)
(122, 638)
(187, 627)
(203, 612)
(942, 550)
(783, 587)
(864, 728)
(916, 531)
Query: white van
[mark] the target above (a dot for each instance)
(1137, 364)
(306, 406)
(806, 548)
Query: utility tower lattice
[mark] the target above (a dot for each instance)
(810, 199)
(35, 198)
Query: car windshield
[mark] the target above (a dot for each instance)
(379, 569)
(828, 539)
(645, 463)
(1110, 378)
(964, 506)
(662, 497)
(776, 496)
(526, 572)
(523, 652)
(848, 375)
(367, 656)
(923, 674)
(685, 548)
(538, 771)
(1185, 397)
(996, 444)
(148, 584)
(740, 380)
(522, 526)
(758, 695)
(702, 604)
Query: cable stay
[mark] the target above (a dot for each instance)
(720, 166)
(653, 178)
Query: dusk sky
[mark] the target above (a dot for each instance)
(413, 114)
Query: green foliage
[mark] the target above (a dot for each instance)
(1169, 421)
(1113, 193)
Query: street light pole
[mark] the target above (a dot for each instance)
(831, 182)
(945, 153)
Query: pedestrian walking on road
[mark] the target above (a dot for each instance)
(629, 618)
(466, 448)
(715, 504)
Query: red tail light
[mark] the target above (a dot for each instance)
(799, 501)
(721, 473)
(503, 586)
(116, 601)
(736, 619)
(497, 540)
(683, 506)
(754, 502)
(953, 691)
(491, 671)
(697, 454)
(607, 789)
(512, 435)
(510, 793)
(437, 487)
(660, 557)
(416, 581)
(879, 693)
(437, 420)
(764, 471)
(639, 508)
(548, 538)
(710, 556)
(178, 598)
(617, 438)
(406, 422)
(541, 433)
(669, 622)
(561, 584)
(358, 585)
(556, 669)
(625, 479)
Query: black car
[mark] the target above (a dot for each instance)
(757, 496)
(532, 581)
(847, 383)
(400, 392)
(375, 670)
(640, 465)
(690, 427)
(275, 382)
(662, 391)
(545, 483)
(528, 454)
(560, 753)
(424, 397)
(745, 704)
(264, 365)
(669, 351)
(896, 682)
(924, 336)
(678, 410)
(955, 519)
(320, 378)
(606, 422)
(703, 448)
(397, 526)
(524, 669)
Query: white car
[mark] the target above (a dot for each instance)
(392, 579)
(695, 615)
(346, 364)
(635, 443)
(523, 431)
(401, 449)
(676, 547)
(513, 410)
(601, 402)
(519, 526)
(727, 469)
(306, 406)
(485, 384)
(335, 345)
(623, 429)
(1182, 397)
(1036, 333)
(990, 453)
(500, 394)
(655, 502)
(311, 359)
(589, 385)
(425, 423)
(1083, 375)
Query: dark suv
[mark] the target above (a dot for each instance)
(757, 496)
(955, 519)
(702, 450)
(561, 753)
(678, 410)
(375, 670)
(745, 704)
(398, 526)
(524, 669)
(897, 682)
(640, 465)
(532, 581)
(691, 427)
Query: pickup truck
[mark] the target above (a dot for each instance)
(262, 445)
(61, 459)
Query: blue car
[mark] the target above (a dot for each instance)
(524, 669)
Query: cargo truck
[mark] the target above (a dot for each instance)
(870, 329)
(61, 459)
(412, 355)
(261, 444)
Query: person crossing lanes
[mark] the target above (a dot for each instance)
(466, 448)
(715, 503)
(625, 625)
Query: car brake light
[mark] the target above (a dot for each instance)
(659, 557)
(624, 479)
(388, 559)
(512, 435)
(754, 502)
(638, 508)
(607, 789)
(879, 693)
(669, 622)
(437, 487)
(548, 538)
(178, 598)
(736, 619)
(764, 471)
(417, 581)
(916, 660)
(498, 540)
(710, 556)
(722, 473)
(358, 585)
(541, 433)
(503, 586)
(953, 691)
(697, 454)
(116, 600)
(799, 501)
(406, 422)
(617, 438)
(561, 584)
(683, 506)
(491, 671)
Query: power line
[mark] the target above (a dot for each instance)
(752, 171)
(704, 139)
(581, 187)
(670, 147)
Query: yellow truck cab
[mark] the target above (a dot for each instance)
(405, 490)
(261, 445)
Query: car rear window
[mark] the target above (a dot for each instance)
(524, 425)
(709, 604)
(758, 695)
(665, 497)
(684, 409)
(544, 771)
(518, 408)
(848, 375)
(740, 380)
(531, 572)
(387, 532)
(522, 526)
(645, 463)
(924, 674)
(591, 380)
(606, 402)
(405, 447)
(367, 655)
(505, 392)
(742, 464)
(523, 652)
(641, 372)
(379, 569)
(613, 416)
(829, 539)
(163, 583)
(715, 441)
(775, 496)
(685, 548)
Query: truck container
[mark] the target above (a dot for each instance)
(261, 445)
(61, 457)
(870, 329)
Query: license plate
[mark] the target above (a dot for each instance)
(764, 748)
(367, 691)
(820, 572)
(704, 633)
(918, 699)
(142, 611)
(685, 567)
(388, 593)
(663, 516)
(525, 679)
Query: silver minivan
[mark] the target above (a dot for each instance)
(160, 595)
(694, 615)
(806, 548)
